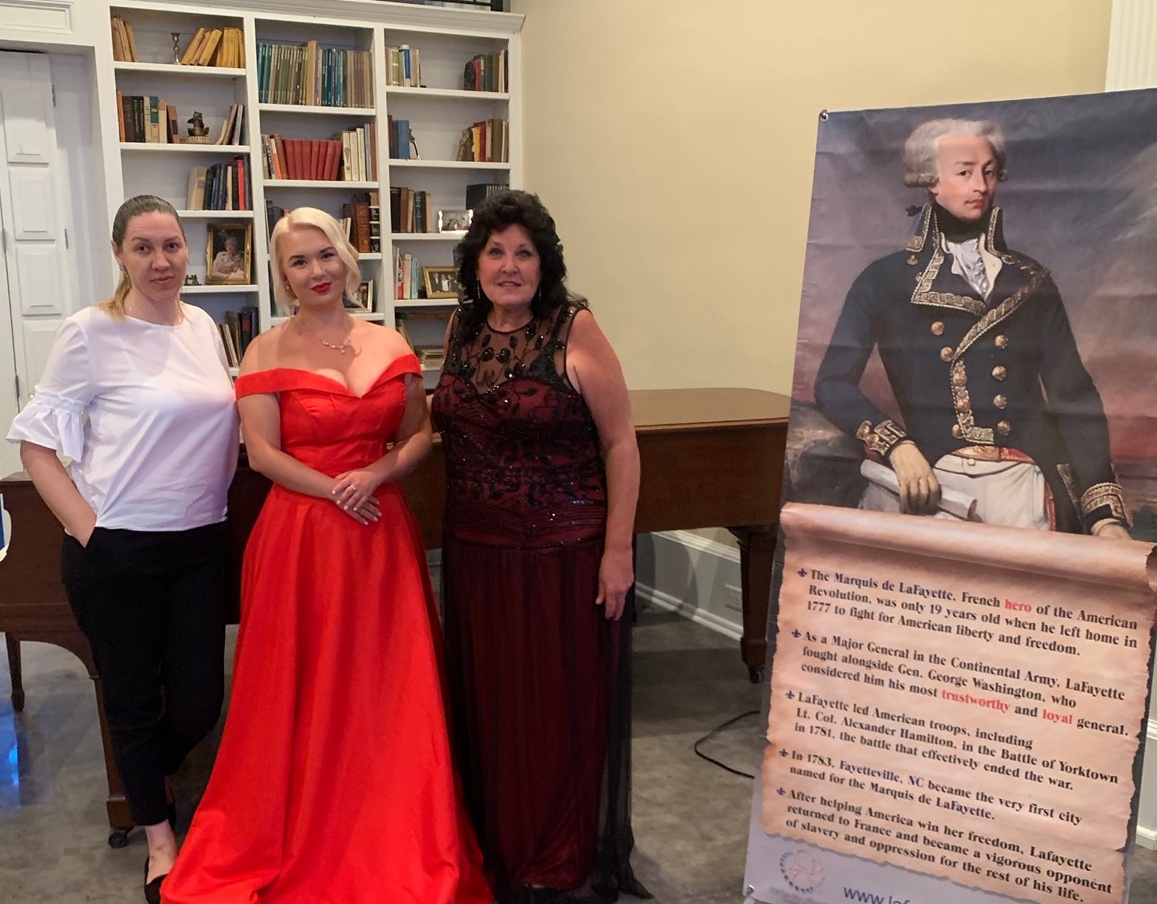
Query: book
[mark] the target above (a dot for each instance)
(195, 189)
(132, 41)
(191, 52)
(209, 47)
(120, 43)
(139, 130)
(127, 118)
(247, 324)
(153, 124)
(120, 115)
(361, 224)
(231, 353)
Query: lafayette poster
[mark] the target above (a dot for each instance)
(964, 629)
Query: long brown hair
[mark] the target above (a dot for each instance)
(133, 207)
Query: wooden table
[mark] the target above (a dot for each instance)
(710, 458)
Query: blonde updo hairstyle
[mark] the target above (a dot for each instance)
(133, 207)
(301, 218)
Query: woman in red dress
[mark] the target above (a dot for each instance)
(334, 781)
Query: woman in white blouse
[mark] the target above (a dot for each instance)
(136, 392)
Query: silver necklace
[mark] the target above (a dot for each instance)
(338, 348)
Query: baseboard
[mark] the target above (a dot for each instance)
(699, 616)
(1146, 838)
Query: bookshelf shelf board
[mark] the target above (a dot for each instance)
(448, 93)
(373, 316)
(426, 236)
(446, 164)
(368, 112)
(316, 183)
(218, 290)
(215, 214)
(180, 71)
(234, 372)
(400, 304)
(370, 256)
(157, 147)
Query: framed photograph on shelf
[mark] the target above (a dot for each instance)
(457, 221)
(441, 282)
(366, 294)
(228, 253)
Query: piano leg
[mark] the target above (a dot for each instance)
(15, 673)
(756, 565)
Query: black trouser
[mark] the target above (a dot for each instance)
(152, 605)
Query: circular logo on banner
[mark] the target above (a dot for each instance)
(801, 870)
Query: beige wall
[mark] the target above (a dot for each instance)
(673, 141)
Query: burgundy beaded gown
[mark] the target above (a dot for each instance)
(539, 680)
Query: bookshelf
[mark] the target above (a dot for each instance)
(346, 54)
(155, 154)
(438, 108)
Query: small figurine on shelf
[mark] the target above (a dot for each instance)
(176, 48)
(191, 279)
(198, 131)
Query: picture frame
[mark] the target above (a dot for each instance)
(441, 282)
(366, 294)
(454, 220)
(228, 253)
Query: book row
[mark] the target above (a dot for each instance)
(149, 119)
(216, 47)
(486, 72)
(409, 210)
(360, 219)
(403, 67)
(401, 139)
(237, 332)
(487, 141)
(364, 214)
(311, 75)
(407, 276)
(222, 186)
(350, 156)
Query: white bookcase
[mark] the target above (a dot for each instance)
(162, 169)
(438, 111)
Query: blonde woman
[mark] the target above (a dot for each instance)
(137, 394)
(334, 779)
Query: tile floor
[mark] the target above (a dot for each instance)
(690, 816)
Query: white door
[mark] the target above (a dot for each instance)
(9, 399)
(35, 288)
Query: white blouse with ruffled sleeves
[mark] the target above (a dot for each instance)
(147, 414)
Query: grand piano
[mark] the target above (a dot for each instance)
(710, 458)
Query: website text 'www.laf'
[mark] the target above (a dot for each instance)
(867, 897)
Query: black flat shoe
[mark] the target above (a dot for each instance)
(153, 889)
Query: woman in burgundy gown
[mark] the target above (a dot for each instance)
(537, 564)
(334, 781)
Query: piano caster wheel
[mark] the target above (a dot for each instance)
(756, 675)
(118, 838)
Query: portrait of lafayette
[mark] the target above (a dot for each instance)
(969, 367)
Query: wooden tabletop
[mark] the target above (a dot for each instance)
(656, 408)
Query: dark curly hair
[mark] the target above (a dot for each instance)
(496, 213)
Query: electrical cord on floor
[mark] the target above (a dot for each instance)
(707, 737)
